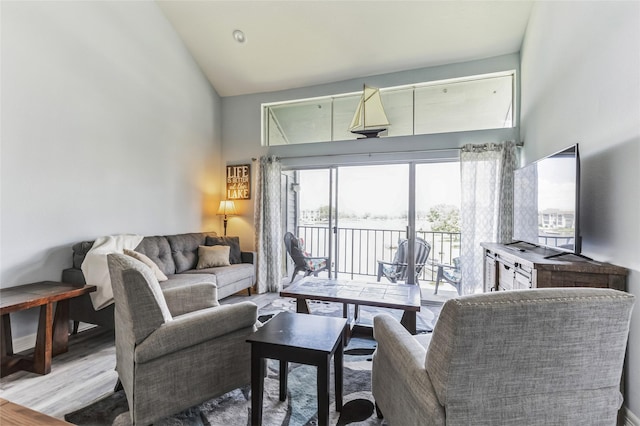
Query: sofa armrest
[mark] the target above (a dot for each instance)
(73, 276)
(251, 257)
(182, 300)
(401, 385)
(248, 257)
(197, 327)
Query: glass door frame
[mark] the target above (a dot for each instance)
(333, 220)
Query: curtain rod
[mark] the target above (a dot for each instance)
(518, 144)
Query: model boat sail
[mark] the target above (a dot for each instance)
(370, 118)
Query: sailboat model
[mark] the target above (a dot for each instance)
(370, 118)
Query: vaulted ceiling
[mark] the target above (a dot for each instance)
(293, 44)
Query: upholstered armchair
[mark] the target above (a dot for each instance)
(530, 357)
(177, 349)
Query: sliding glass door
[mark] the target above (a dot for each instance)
(359, 216)
(373, 207)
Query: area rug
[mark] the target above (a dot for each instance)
(300, 406)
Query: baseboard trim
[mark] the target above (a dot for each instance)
(630, 419)
(24, 343)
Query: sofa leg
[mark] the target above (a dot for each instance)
(76, 324)
(378, 412)
(249, 290)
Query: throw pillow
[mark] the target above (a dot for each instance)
(212, 256)
(234, 247)
(150, 263)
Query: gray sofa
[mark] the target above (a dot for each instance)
(177, 257)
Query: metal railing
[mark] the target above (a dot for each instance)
(359, 249)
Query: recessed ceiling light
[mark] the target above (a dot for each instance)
(239, 36)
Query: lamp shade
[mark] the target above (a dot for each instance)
(227, 208)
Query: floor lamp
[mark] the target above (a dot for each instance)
(227, 208)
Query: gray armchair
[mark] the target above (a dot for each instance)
(177, 349)
(529, 357)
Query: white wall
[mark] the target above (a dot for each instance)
(581, 83)
(108, 126)
(242, 125)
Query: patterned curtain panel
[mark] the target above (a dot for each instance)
(268, 225)
(486, 172)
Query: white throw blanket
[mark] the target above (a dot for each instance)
(95, 268)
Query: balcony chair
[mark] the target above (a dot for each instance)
(177, 348)
(397, 270)
(451, 274)
(525, 357)
(302, 260)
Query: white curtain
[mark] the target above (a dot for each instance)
(268, 225)
(486, 172)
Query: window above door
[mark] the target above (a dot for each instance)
(471, 103)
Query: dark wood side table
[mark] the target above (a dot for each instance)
(53, 332)
(303, 339)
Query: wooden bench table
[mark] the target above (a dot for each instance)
(395, 296)
(53, 332)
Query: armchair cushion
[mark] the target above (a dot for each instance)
(316, 263)
(196, 327)
(182, 300)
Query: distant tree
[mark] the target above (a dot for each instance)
(323, 212)
(444, 218)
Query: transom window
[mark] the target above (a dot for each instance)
(473, 103)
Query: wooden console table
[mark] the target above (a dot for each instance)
(522, 266)
(53, 332)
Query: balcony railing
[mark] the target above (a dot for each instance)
(359, 249)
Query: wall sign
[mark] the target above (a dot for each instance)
(239, 182)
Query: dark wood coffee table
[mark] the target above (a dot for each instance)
(304, 339)
(395, 296)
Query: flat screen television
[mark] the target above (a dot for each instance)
(546, 202)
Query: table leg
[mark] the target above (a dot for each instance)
(284, 372)
(60, 342)
(43, 349)
(337, 367)
(302, 306)
(323, 390)
(6, 339)
(409, 321)
(257, 384)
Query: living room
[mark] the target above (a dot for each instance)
(109, 126)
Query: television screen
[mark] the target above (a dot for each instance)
(546, 201)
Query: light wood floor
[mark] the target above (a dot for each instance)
(82, 375)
